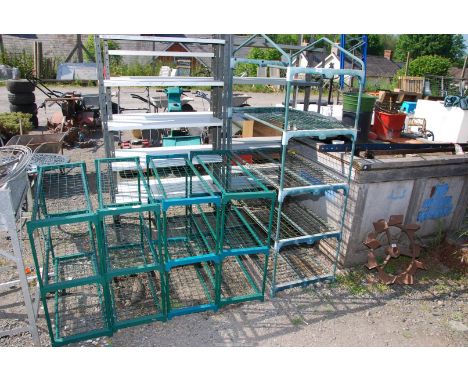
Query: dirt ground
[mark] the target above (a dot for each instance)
(350, 312)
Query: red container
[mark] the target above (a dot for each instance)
(388, 126)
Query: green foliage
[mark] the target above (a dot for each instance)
(432, 65)
(286, 39)
(23, 61)
(10, 123)
(258, 54)
(450, 46)
(380, 83)
(389, 41)
(89, 45)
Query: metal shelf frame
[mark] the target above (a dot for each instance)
(221, 49)
(301, 175)
(189, 210)
(297, 124)
(235, 183)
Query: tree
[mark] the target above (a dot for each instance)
(89, 45)
(425, 65)
(450, 46)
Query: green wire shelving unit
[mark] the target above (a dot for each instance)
(64, 237)
(243, 242)
(297, 261)
(132, 263)
(189, 234)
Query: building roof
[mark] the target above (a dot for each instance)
(376, 66)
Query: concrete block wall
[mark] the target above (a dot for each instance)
(431, 191)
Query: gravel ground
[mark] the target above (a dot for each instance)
(433, 312)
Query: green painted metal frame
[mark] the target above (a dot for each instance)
(193, 201)
(118, 211)
(228, 200)
(41, 223)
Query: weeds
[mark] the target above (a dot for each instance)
(353, 281)
(296, 321)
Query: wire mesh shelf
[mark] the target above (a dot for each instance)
(62, 190)
(314, 123)
(64, 254)
(76, 313)
(128, 244)
(243, 278)
(121, 182)
(191, 288)
(190, 234)
(137, 299)
(298, 224)
(230, 176)
(175, 181)
(299, 265)
(301, 175)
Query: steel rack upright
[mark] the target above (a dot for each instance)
(124, 122)
(294, 176)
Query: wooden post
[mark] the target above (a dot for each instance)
(79, 50)
(38, 59)
(2, 48)
(462, 77)
(407, 63)
(462, 72)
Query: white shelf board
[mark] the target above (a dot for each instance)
(153, 53)
(161, 81)
(122, 122)
(187, 40)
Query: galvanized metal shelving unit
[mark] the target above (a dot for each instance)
(293, 175)
(117, 123)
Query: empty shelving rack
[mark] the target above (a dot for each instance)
(118, 123)
(292, 174)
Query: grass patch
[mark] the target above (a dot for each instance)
(297, 321)
(353, 281)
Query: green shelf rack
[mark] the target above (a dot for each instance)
(132, 264)
(64, 237)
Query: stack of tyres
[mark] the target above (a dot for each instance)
(22, 99)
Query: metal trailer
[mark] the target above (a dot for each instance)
(295, 260)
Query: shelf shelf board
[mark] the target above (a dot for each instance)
(300, 123)
(125, 122)
(161, 81)
(301, 175)
(298, 225)
(186, 40)
(153, 53)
